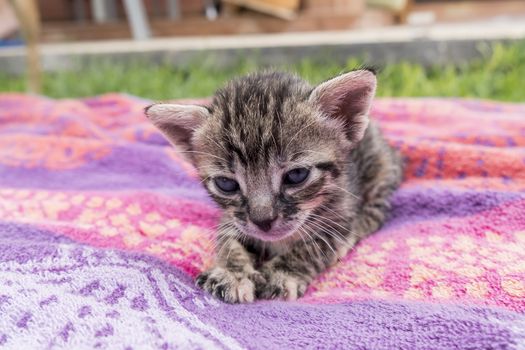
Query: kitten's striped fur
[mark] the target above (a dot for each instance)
(258, 128)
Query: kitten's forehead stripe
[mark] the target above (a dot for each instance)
(251, 111)
(238, 151)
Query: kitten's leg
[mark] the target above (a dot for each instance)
(233, 277)
(288, 275)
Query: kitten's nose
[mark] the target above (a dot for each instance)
(265, 224)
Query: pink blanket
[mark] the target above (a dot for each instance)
(83, 180)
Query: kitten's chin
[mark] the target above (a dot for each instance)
(269, 236)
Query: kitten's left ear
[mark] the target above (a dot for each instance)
(347, 98)
(177, 122)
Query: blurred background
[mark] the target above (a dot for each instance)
(162, 49)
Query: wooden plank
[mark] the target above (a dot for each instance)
(284, 9)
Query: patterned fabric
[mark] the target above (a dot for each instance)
(103, 227)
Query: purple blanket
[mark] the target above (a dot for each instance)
(60, 294)
(103, 227)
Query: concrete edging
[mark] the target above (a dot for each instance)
(437, 44)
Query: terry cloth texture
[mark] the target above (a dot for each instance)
(103, 227)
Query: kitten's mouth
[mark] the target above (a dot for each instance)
(275, 234)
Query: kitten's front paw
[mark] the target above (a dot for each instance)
(281, 285)
(230, 287)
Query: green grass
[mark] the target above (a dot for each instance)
(498, 75)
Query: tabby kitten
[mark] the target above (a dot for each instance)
(301, 174)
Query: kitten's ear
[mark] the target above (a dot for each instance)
(347, 98)
(177, 122)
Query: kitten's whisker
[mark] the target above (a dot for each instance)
(307, 247)
(206, 178)
(332, 222)
(334, 213)
(222, 225)
(321, 217)
(217, 232)
(345, 190)
(312, 235)
(220, 240)
(334, 234)
(227, 236)
(338, 240)
(243, 239)
(225, 245)
(312, 240)
(235, 238)
(213, 231)
(300, 232)
(330, 231)
(338, 215)
(221, 247)
(316, 234)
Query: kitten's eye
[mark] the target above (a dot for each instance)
(226, 185)
(296, 176)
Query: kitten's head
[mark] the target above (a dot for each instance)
(271, 149)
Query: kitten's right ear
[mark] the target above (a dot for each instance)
(347, 98)
(177, 122)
